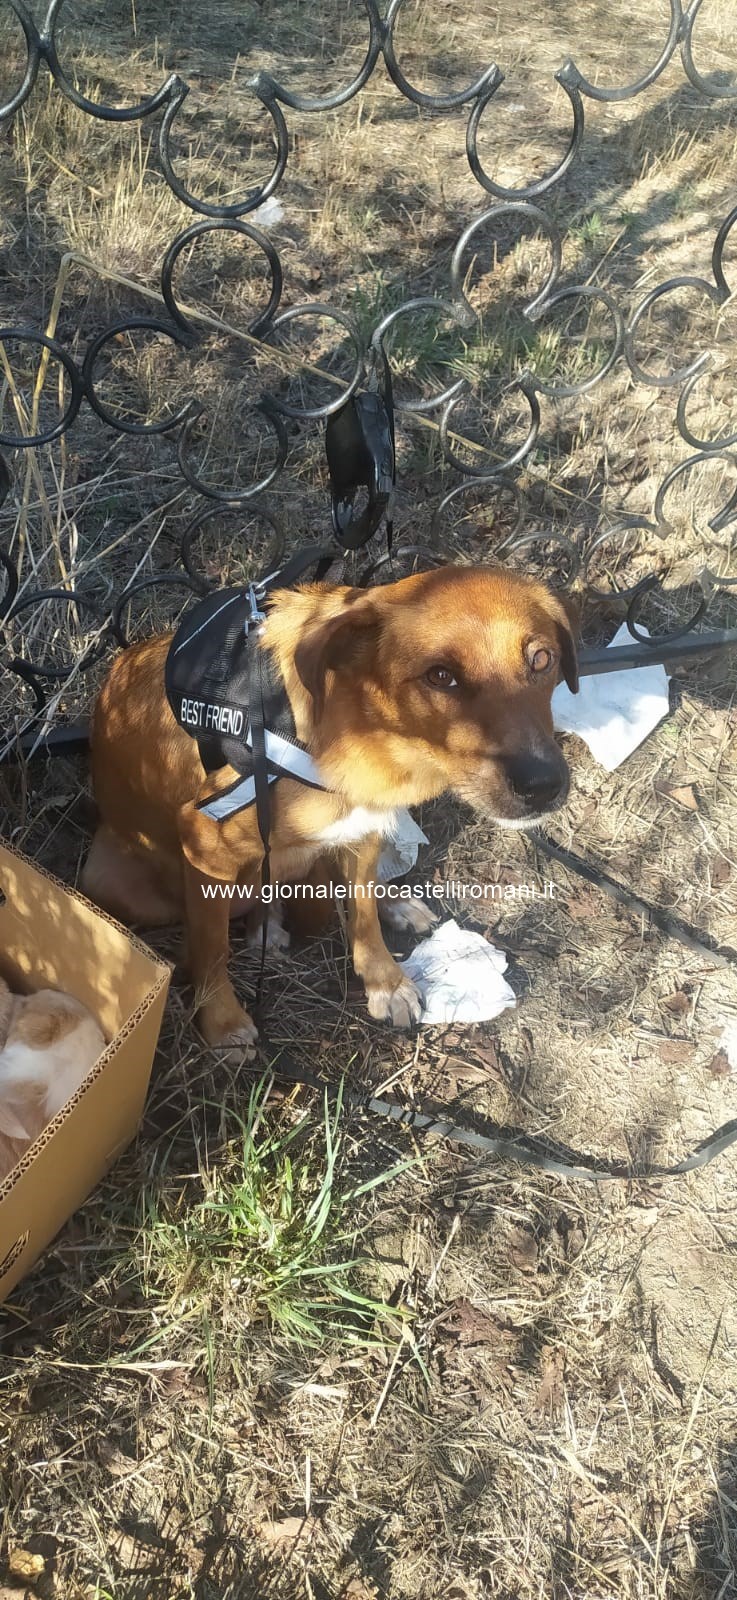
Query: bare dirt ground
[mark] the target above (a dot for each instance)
(536, 1396)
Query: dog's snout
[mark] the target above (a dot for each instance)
(537, 780)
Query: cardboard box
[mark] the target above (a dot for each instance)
(51, 937)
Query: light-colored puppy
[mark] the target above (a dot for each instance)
(48, 1043)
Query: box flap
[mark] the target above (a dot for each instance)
(51, 937)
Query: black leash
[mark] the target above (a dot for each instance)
(260, 772)
(517, 1147)
(672, 927)
(321, 558)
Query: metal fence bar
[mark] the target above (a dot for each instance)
(520, 207)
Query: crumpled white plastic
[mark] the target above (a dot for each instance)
(459, 976)
(400, 852)
(728, 1043)
(268, 213)
(614, 711)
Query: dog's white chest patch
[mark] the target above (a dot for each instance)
(357, 825)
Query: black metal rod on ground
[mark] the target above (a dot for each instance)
(602, 658)
(593, 659)
(71, 739)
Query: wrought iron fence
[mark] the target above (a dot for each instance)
(519, 208)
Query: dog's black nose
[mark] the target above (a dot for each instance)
(538, 780)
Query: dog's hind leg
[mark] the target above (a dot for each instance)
(311, 911)
(277, 936)
(123, 882)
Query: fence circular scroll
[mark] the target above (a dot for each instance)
(522, 206)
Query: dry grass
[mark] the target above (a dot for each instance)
(547, 1408)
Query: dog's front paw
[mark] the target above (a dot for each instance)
(400, 1005)
(233, 1036)
(408, 916)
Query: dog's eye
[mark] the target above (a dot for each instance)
(539, 659)
(441, 678)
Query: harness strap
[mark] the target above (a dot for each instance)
(289, 757)
(319, 556)
(282, 758)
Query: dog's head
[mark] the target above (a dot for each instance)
(442, 682)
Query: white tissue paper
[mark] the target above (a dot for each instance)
(614, 711)
(400, 851)
(267, 214)
(728, 1043)
(459, 977)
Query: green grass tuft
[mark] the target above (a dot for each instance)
(274, 1225)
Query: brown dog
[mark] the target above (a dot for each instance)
(441, 682)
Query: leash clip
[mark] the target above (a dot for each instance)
(254, 595)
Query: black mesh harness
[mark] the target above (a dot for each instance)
(226, 692)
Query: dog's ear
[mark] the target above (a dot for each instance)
(343, 643)
(568, 626)
(11, 1124)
